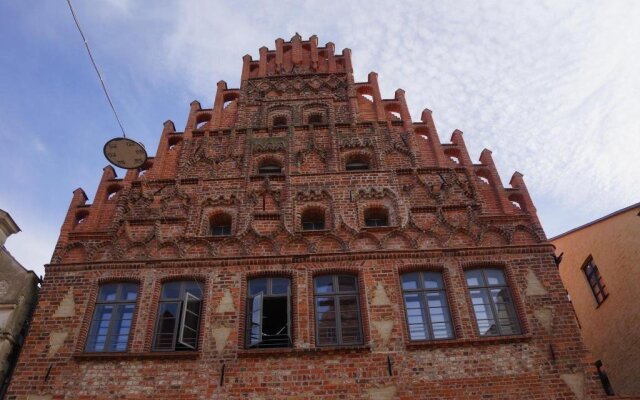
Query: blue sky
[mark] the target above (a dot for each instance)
(552, 88)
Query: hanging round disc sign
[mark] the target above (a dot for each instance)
(125, 153)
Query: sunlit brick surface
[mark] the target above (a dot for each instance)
(439, 211)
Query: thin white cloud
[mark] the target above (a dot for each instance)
(549, 87)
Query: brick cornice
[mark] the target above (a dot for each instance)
(301, 258)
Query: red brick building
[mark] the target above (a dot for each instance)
(304, 238)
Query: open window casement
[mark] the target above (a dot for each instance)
(256, 320)
(189, 321)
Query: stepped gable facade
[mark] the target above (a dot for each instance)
(304, 238)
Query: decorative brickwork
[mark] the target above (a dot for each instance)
(263, 155)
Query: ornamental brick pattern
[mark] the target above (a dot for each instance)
(298, 107)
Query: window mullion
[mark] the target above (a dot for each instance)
(115, 316)
(425, 314)
(492, 304)
(359, 317)
(176, 326)
(338, 319)
(494, 309)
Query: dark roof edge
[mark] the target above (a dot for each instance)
(613, 214)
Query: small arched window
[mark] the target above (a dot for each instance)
(174, 142)
(220, 225)
(142, 171)
(270, 167)
(313, 219)
(202, 120)
(112, 191)
(315, 118)
(357, 162)
(81, 217)
(280, 121)
(377, 216)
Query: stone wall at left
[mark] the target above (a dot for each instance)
(18, 295)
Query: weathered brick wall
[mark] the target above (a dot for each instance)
(443, 215)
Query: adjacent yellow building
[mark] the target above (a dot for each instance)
(601, 270)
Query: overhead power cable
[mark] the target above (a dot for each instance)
(104, 88)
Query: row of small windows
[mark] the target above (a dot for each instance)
(337, 306)
(312, 219)
(282, 121)
(356, 162)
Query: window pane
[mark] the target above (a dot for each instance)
(347, 284)
(257, 285)
(256, 319)
(129, 292)
(122, 327)
(99, 328)
(589, 269)
(167, 326)
(479, 296)
(349, 320)
(412, 301)
(325, 313)
(474, 278)
(195, 288)
(417, 332)
(442, 330)
(191, 319)
(493, 307)
(108, 292)
(324, 284)
(279, 286)
(495, 277)
(415, 317)
(500, 295)
(436, 299)
(410, 281)
(171, 290)
(111, 323)
(432, 280)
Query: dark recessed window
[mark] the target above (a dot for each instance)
(313, 219)
(427, 310)
(595, 281)
(376, 217)
(270, 168)
(315, 119)
(268, 313)
(178, 320)
(492, 302)
(337, 310)
(357, 163)
(280, 121)
(112, 318)
(220, 225)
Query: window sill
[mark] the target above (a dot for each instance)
(271, 177)
(312, 231)
(421, 344)
(284, 351)
(379, 228)
(187, 355)
(220, 237)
